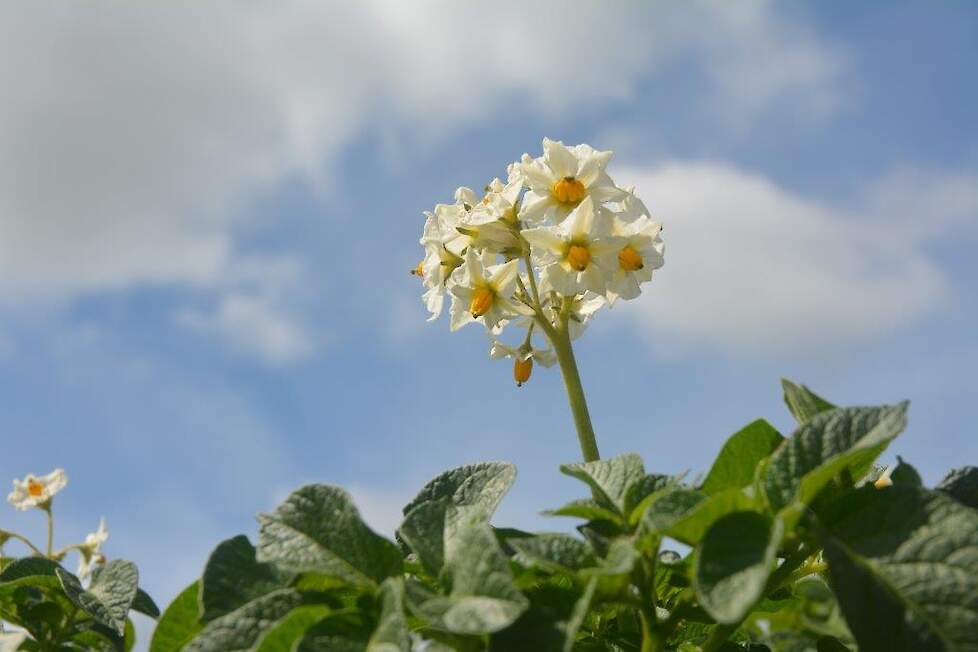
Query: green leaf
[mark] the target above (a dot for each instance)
(145, 604)
(669, 509)
(179, 623)
(740, 455)
(735, 559)
(641, 492)
(241, 629)
(483, 598)
(553, 553)
(479, 486)
(587, 509)
(962, 485)
(334, 633)
(392, 633)
(802, 402)
(904, 565)
(692, 526)
(233, 577)
(109, 596)
(317, 529)
(465, 495)
(610, 479)
(28, 567)
(830, 443)
(284, 634)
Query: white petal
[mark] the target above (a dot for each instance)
(560, 159)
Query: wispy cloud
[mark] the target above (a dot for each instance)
(751, 266)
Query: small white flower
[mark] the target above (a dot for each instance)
(35, 491)
(641, 251)
(443, 246)
(577, 255)
(90, 551)
(561, 179)
(483, 292)
(523, 358)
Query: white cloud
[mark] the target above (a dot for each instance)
(751, 266)
(134, 138)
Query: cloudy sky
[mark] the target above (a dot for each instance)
(208, 211)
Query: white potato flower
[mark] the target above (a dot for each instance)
(90, 551)
(523, 358)
(444, 247)
(483, 292)
(559, 181)
(35, 491)
(577, 255)
(641, 251)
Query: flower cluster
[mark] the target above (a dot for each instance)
(543, 250)
(38, 492)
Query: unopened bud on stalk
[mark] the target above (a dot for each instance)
(522, 368)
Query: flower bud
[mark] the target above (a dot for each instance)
(578, 257)
(569, 190)
(629, 259)
(522, 368)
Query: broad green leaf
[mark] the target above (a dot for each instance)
(479, 486)
(483, 598)
(109, 596)
(334, 633)
(825, 446)
(233, 577)
(667, 510)
(392, 633)
(692, 526)
(904, 565)
(553, 552)
(465, 495)
(145, 604)
(284, 634)
(28, 567)
(179, 622)
(802, 402)
(610, 479)
(241, 629)
(738, 459)
(641, 492)
(587, 509)
(734, 561)
(317, 529)
(962, 485)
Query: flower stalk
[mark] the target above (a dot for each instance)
(575, 392)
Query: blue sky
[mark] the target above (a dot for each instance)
(207, 217)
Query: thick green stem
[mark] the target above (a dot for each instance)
(575, 393)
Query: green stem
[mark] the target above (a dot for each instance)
(50, 531)
(575, 392)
